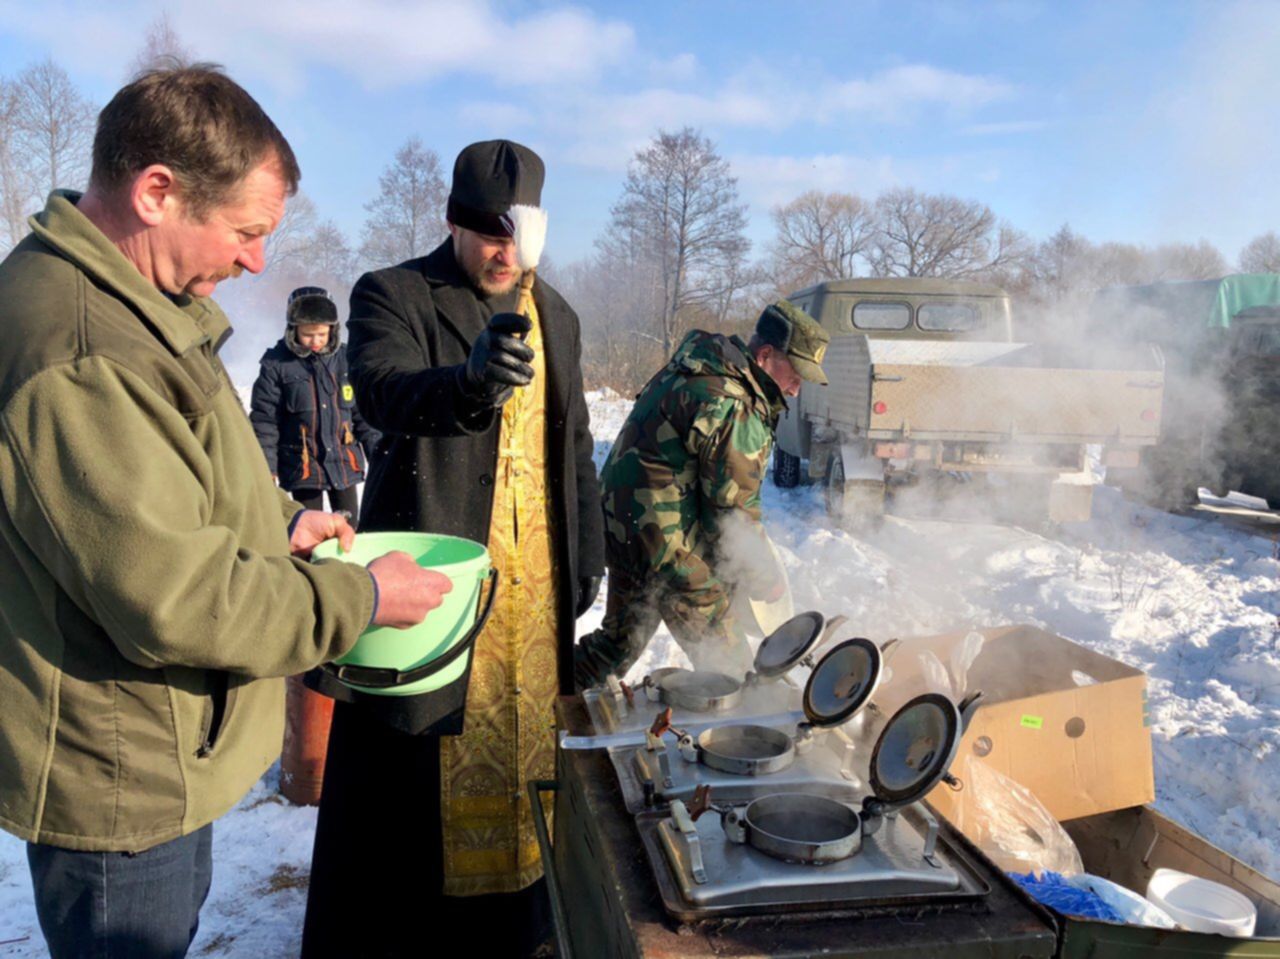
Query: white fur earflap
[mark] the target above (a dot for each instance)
(529, 229)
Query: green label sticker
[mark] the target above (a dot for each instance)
(348, 392)
(1032, 722)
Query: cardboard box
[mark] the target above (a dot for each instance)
(1066, 722)
(1127, 847)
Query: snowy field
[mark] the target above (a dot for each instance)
(1192, 602)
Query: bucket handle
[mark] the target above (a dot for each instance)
(384, 677)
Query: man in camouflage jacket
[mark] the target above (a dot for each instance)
(688, 465)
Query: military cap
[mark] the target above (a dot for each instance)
(489, 178)
(786, 327)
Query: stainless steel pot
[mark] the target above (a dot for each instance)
(699, 692)
(744, 750)
(796, 827)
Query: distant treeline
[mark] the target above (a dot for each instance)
(673, 256)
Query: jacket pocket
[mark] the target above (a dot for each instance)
(299, 395)
(217, 709)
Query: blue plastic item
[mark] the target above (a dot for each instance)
(1052, 890)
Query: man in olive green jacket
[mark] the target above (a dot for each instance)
(150, 572)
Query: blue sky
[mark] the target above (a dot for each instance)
(1142, 122)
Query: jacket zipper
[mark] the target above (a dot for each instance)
(338, 426)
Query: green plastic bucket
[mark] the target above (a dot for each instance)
(436, 652)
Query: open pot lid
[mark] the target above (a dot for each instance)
(915, 749)
(842, 682)
(788, 644)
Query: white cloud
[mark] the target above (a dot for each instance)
(682, 68)
(378, 43)
(770, 180)
(604, 128)
(898, 93)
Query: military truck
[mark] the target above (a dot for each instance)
(1220, 340)
(926, 379)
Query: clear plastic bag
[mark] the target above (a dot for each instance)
(1010, 825)
(927, 665)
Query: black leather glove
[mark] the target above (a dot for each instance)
(499, 361)
(595, 656)
(588, 590)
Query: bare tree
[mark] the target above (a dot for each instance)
(55, 126)
(407, 217)
(288, 244)
(680, 215)
(1187, 261)
(162, 47)
(1060, 265)
(820, 236)
(19, 195)
(1261, 254)
(923, 234)
(331, 257)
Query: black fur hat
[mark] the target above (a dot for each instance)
(311, 304)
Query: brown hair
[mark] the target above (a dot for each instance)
(195, 120)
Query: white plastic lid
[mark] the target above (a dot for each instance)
(1202, 905)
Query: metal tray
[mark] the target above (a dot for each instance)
(888, 873)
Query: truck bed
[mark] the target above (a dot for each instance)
(987, 392)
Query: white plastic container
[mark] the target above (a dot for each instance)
(1201, 905)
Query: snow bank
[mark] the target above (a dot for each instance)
(1191, 602)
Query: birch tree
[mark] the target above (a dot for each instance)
(19, 194)
(407, 217)
(55, 127)
(679, 223)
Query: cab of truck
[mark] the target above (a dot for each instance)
(910, 308)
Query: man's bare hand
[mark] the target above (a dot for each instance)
(314, 527)
(406, 591)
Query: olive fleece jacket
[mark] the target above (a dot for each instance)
(146, 587)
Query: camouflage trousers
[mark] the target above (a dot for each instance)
(700, 620)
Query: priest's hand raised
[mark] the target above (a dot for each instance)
(499, 361)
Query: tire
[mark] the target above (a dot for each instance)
(786, 469)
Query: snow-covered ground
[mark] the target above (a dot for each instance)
(1192, 602)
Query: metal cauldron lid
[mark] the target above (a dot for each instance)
(842, 682)
(915, 749)
(788, 644)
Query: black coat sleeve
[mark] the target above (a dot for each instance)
(590, 509)
(264, 410)
(398, 390)
(366, 435)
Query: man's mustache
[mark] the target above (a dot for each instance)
(228, 274)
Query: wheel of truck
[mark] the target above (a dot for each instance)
(786, 469)
(854, 505)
